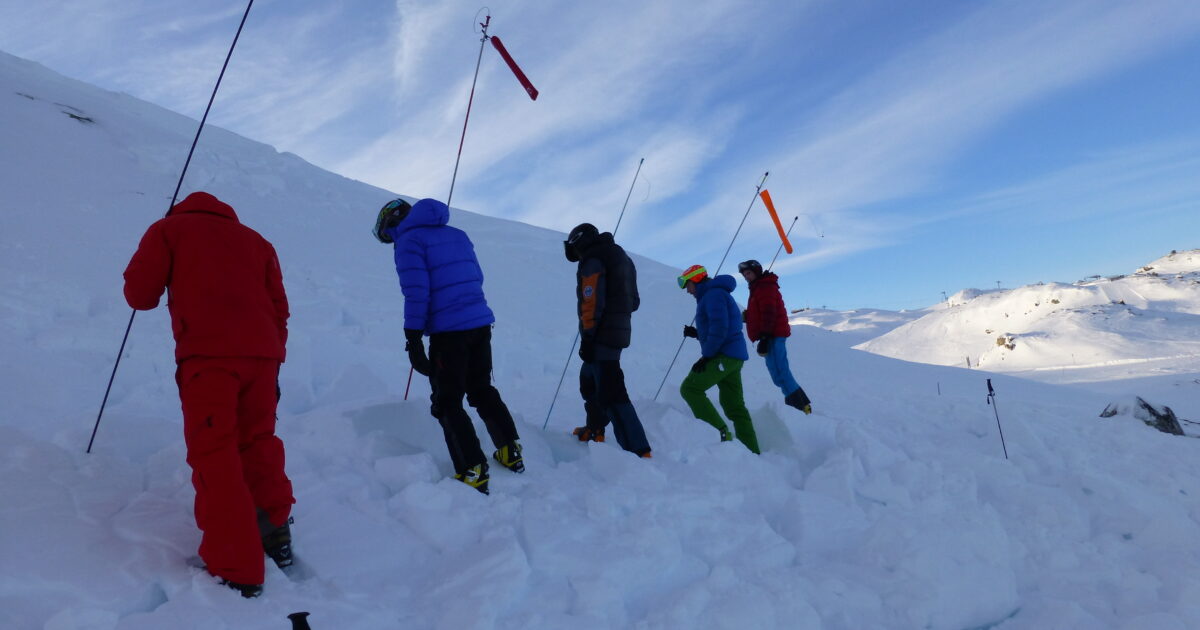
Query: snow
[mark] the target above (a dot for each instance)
(1097, 330)
(892, 506)
(856, 326)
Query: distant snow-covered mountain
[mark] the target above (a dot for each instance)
(1139, 324)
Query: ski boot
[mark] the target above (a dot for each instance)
(276, 541)
(248, 591)
(509, 457)
(799, 400)
(588, 435)
(726, 434)
(476, 477)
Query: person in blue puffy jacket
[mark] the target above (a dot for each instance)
(443, 298)
(722, 354)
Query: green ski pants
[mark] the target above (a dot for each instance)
(726, 374)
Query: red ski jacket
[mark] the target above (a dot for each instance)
(224, 287)
(765, 314)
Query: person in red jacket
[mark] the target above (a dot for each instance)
(767, 324)
(229, 317)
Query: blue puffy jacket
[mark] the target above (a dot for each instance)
(439, 273)
(719, 320)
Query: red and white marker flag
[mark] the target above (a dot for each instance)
(516, 70)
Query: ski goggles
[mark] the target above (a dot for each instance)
(389, 217)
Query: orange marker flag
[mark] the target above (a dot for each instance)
(766, 197)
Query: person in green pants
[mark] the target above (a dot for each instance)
(722, 353)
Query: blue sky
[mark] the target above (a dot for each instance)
(930, 146)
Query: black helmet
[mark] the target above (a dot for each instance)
(579, 240)
(752, 265)
(392, 213)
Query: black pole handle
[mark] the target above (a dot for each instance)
(299, 622)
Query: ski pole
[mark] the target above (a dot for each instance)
(576, 341)
(731, 242)
(789, 233)
(409, 386)
(991, 399)
(175, 196)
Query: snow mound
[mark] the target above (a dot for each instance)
(1178, 263)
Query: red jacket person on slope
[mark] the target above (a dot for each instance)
(767, 325)
(229, 316)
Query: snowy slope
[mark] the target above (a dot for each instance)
(891, 507)
(1100, 329)
(856, 326)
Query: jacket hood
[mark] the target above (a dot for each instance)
(593, 245)
(765, 279)
(203, 202)
(723, 282)
(424, 213)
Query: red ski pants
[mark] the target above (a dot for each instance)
(236, 459)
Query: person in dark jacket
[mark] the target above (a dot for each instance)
(607, 296)
(722, 354)
(767, 325)
(229, 316)
(443, 298)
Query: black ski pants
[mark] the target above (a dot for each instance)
(462, 365)
(605, 400)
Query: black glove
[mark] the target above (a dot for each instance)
(587, 349)
(700, 365)
(416, 351)
(764, 345)
(690, 331)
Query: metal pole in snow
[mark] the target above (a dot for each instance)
(174, 196)
(731, 242)
(576, 341)
(991, 399)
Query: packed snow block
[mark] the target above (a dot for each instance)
(1162, 418)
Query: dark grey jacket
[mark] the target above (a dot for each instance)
(606, 288)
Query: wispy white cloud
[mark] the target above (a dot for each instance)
(892, 133)
(1136, 181)
(610, 81)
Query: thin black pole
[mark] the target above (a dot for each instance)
(786, 234)
(174, 197)
(570, 354)
(731, 242)
(110, 380)
(743, 223)
(461, 140)
(991, 398)
(628, 195)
